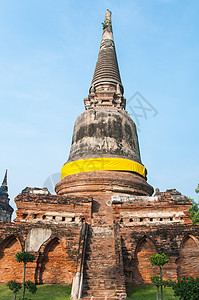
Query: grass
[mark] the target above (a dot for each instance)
(148, 293)
(44, 292)
(61, 292)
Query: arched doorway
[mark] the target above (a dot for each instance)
(9, 268)
(142, 270)
(55, 266)
(188, 261)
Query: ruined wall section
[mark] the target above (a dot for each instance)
(157, 224)
(168, 207)
(52, 209)
(55, 248)
(138, 246)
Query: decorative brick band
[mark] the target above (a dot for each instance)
(102, 164)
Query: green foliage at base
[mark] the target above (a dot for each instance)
(14, 286)
(148, 293)
(186, 288)
(31, 286)
(157, 281)
(61, 292)
(44, 292)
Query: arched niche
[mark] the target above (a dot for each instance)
(55, 266)
(9, 268)
(188, 260)
(142, 269)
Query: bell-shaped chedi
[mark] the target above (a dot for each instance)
(105, 145)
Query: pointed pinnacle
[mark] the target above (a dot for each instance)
(107, 26)
(106, 69)
(108, 15)
(5, 178)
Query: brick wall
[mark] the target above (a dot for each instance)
(55, 261)
(124, 231)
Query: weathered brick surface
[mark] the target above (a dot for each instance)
(9, 269)
(147, 225)
(151, 225)
(140, 244)
(108, 181)
(124, 231)
(102, 273)
(100, 264)
(55, 262)
(103, 270)
(187, 262)
(56, 265)
(52, 209)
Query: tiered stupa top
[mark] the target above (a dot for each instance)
(106, 87)
(106, 69)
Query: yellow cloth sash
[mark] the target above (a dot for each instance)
(101, 164)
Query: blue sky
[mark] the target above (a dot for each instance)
(48, 51)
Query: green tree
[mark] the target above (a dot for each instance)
(194, 212)
(24, 257)
(159, 260)
(15, 287)
(194, 209)
(185, 288)
(197, 189)
(31, 286)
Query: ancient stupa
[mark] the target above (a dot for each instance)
(100, 230)
(105, 143)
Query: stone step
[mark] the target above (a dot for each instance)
(101, 256)
(91, 274)
(96, 276)
(99, 287)
(93, 256)
(105, 296)
(97, 281)
(100, 298)
(105, 260)
(100, 279)
(98, 267)
(100, 293)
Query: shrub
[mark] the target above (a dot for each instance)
(185, 288)
(14, 286)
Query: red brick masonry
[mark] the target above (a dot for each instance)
(124, 230)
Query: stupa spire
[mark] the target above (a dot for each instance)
(4, 186)
(107, 28)
(5, 180)
(106, 87)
